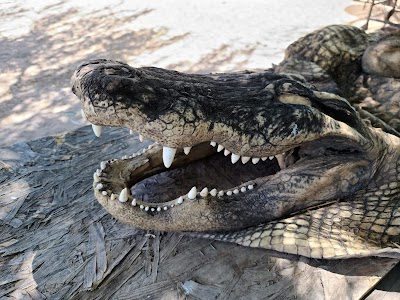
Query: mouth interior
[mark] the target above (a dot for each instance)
(144, 180)
(214, 171)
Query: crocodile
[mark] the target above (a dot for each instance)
(363, 68)
(276, 159)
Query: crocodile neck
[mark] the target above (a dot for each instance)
(387, 162)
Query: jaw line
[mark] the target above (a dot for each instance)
(118, 174)
(179, 214)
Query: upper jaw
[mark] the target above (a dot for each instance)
(283, 114)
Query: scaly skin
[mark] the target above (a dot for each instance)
(365, 224)
(336, 196)
(331, 54)
(364, 68)
(382, 57)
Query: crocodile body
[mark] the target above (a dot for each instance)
(363, 68)
(301, 170)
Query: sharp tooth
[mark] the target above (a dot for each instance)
(264, 158)
(96, 177)
(234, 158)
(192, 193)
(97, 130)
(213, 192)
(158, 208)
(271, 157)
(229, 193)
(226, 152)
(112, 197)
(250, 186)
(98, 172)
(141, 138)
(255, 160)
(131, 131)
(153, 209)
(123, 196)
(236, 191)
(83, 114)
(243, 189)
(220, 148)
(221, 193)
(133, 202)
(212, 143)
(179, 200)
(146, 208)
(103, 165)
(99, 186)
(168, 156)
(186, 150)
(204, 192)
(281, 161)
(165, 208)
(245, 159)
(141, 206)
(104, 193)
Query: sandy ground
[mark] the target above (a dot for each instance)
(42, 42)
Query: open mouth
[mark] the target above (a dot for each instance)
(278, 149)
(159, 178)
(209, 182)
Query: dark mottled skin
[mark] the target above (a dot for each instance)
(347, 61)
(335, 158)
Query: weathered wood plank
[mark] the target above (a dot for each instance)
(57, 242)
(388, 288)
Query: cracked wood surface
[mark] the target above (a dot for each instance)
(57, 242)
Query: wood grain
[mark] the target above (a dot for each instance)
(57, 242)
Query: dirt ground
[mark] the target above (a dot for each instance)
(42, 42)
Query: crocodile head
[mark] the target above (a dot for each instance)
(232, 150)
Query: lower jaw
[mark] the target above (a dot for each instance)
(151, 187)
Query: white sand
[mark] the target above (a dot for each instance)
(41, 42)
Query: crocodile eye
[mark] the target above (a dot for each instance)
(294, 99)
